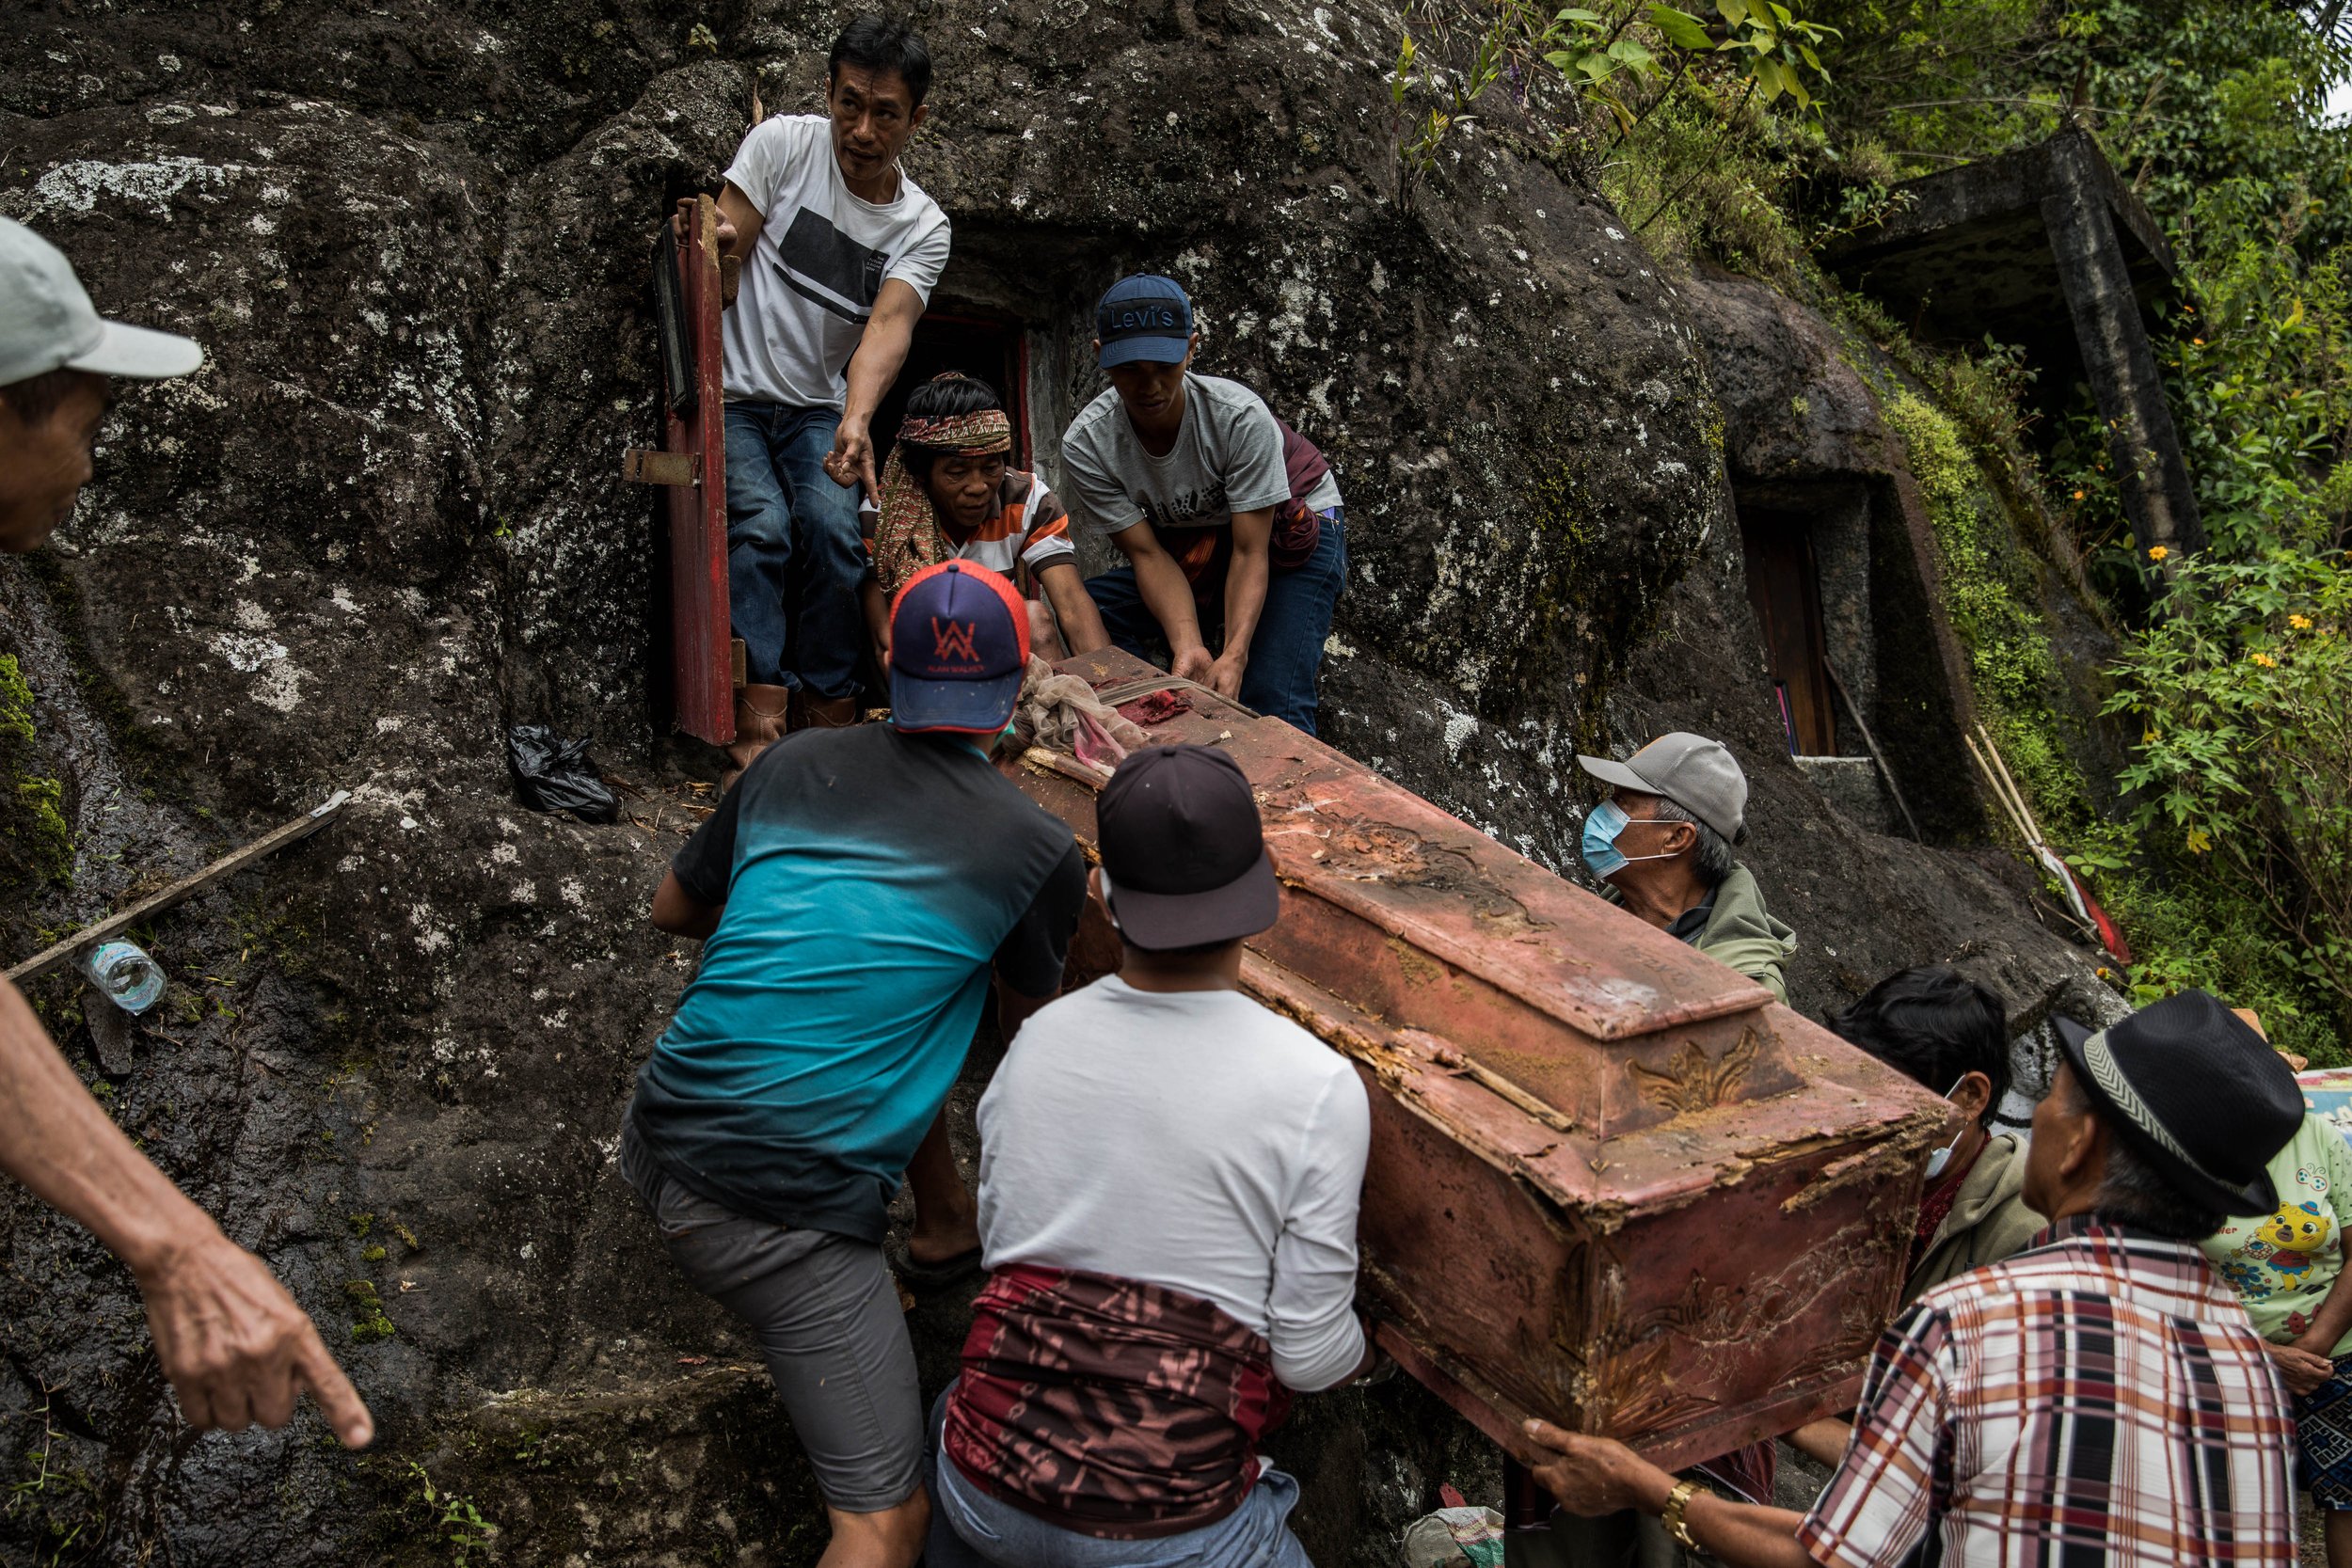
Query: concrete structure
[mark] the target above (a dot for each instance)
(2049, 249)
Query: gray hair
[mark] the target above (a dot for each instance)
(1711, 856)
(2134, 1192)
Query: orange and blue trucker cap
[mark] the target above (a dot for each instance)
(958, 644)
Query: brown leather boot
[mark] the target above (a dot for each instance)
(822, 713)
(761, 716)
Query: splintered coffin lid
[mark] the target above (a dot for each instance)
(1612, 1184)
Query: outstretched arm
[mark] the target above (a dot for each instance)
(235, 1347)
(680, 913)
(1598, 1476)
(1073, 608)
(882, 352)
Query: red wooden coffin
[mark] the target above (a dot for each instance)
(691, 467)
(1612, 1183)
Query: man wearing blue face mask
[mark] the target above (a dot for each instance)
(1662, 846)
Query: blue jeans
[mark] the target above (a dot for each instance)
(971, 1528)
(793, 553)
(1286, 651)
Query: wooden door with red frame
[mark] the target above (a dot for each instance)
(692, 467)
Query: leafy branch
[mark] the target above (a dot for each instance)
(1630, 60)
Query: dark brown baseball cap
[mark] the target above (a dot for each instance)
(1183, 858)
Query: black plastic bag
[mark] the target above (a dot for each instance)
(555, 774)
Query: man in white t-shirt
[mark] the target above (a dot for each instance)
(1170, 1180)
(1231, 520)
(840, 251)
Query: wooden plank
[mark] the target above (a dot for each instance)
(702, 662)
(180, 892)
(640, 466)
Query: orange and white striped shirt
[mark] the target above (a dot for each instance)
(1029, 532)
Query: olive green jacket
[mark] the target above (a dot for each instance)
(1989, 1219)
(1742, 935)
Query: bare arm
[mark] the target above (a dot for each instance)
(1168, 597)
(2308, 1360)
(882, 351)
(877, 608)
(1013, 1009)
(235, 1347)
(738, 223)
(1244, 597)
(2334, 1317)
(1074, 606)
(680, 913)
(1596, 1475)
(1823, 1441)
(737, 230)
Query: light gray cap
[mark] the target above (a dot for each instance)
(1693, 771)
(47, 321)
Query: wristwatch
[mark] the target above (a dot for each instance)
(1676, 1500)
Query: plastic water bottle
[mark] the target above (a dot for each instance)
(131, 979)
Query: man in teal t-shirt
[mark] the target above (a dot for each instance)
(2289, 1270)
(855, 890)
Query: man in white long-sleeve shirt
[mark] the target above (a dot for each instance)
(1169, 1176)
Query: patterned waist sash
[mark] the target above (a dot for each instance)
(1110, 1408)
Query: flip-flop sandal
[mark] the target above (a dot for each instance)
(944, 1275)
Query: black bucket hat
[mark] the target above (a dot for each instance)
(2198, 1092)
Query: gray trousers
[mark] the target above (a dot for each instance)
(826, 1316)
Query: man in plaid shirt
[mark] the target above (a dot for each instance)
(2098, 1400)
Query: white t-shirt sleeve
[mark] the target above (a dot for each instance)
(1252, 458)
(763, 166)
(1310, 1317)
(920, 264)
(1087, 475)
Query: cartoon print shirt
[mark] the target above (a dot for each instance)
(2283, 1265)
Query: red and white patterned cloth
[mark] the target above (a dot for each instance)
(2098, 1400)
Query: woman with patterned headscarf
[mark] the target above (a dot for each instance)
(949, 493)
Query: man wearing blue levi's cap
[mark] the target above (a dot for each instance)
(855, 890)
(1231, 521)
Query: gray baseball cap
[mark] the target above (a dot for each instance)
(1693, 771)
(47, 321)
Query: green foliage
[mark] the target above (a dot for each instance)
(2245, 756)
(1630, 58)
(455, 1521)
(57, 1505)
(1988, 592)
(36, 844)
(368, 1321)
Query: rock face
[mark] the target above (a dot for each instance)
(384, 523)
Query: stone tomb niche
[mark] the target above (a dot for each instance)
(988, 344)
(1838, 601)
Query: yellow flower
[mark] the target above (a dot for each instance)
(2148, 736)
(2078, 495)
(2199, 342)
(2157, 553)
(2264, 660)
(2198, 842)
(2301, 623)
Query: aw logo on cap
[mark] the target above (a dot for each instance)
(952, 642)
